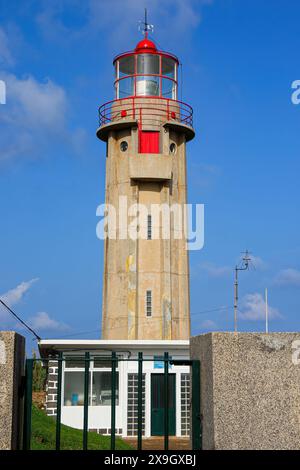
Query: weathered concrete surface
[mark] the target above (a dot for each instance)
(250, 390)
(12, 354)
(135, 265)
(154, 167)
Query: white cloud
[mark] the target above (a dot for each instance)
(13, 296)
(255, 262)
(258, 263)
(37, 104)
(35, 115)
(288, 277)
(253, 307)
(94, 16)
(208, 325)
(216, 271)
(42, 321)
(180, 15)
(5, 52)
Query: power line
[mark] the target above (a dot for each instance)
(212, 310)
(203, 312)
(78, 334)
(21, 321)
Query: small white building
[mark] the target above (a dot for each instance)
(99, 414)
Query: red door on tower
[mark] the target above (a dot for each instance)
(149, 142)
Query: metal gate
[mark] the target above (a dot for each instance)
(196, 431)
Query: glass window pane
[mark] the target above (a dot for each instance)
(148, 64)
(168, 67)
(126, 87)
(74, 363)
(74, 388)
(101, 392)
(126, 66)
(147, 86)
(168, 88)
(102, 362)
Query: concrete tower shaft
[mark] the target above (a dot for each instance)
(146, 278)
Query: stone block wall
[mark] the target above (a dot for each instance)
(12, 357)
(250, 386)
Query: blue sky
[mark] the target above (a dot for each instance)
(239, 61)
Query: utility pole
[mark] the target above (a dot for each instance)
(243, 266)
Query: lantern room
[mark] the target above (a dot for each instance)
(146, 95)
(146, 71)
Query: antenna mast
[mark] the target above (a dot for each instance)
(144, 26)
(243, 266)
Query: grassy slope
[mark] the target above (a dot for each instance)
(44, 429)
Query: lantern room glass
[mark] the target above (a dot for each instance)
(146, 75)
(168, 67)
(126, 66)
(148, 64)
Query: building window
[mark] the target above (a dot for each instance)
(132, 408)
(99, 382)
(101, 389)
(172, 148)
(148, 303)
(185, 404)
(149, 227)
(74, 388)
(123, 146)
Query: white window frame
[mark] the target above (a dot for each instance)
(148, 303)
(92, 369)
(149, 227)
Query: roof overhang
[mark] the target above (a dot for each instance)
(48, 347)
(185, 129)
(103, 131)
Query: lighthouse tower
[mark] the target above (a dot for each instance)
(146, 128)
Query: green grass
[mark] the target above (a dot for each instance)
(43, 433)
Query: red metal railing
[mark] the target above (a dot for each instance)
(146, 110)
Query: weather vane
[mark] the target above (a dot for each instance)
(144, 26)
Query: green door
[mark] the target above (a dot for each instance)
(157, 405)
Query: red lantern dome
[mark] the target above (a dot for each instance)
(145, 45)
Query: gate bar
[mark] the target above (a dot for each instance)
(113, 401)
(196, 416)
(58, 401)
(28, 404)
(86, 400)
(140, 398)
(166, 401)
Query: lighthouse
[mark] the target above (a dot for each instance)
(146, 129)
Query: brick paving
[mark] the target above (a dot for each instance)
(157, 443)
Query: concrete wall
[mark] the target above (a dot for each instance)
(12, 355)
(250, 390)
